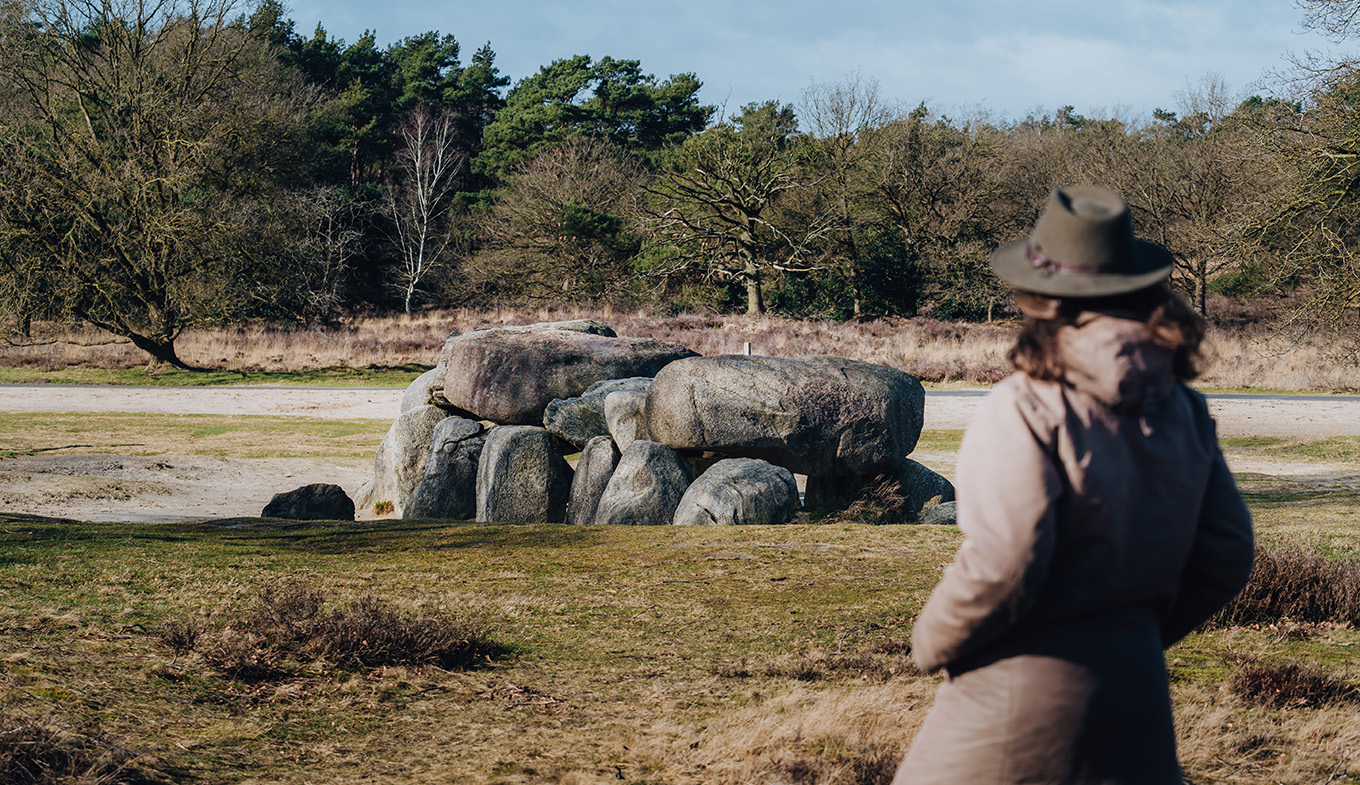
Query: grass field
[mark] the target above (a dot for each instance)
(642, 655)
(230, 436)
(761, 654)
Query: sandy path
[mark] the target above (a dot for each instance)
(1310, 417)
(333, 403)
(170, 487)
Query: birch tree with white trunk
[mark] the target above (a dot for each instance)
(420, 200)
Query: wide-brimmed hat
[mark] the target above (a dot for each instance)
(1082, 246)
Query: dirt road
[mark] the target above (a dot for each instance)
(1310, 417)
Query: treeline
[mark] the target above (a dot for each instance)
(195, 162)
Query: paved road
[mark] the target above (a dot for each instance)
(1290, 416)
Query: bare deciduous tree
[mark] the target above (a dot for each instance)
(564, 225)
(716, 207)
(839, 115)
(128, 126)
(420, 201)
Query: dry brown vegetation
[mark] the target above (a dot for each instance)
(1299, 584)
(289, 625)
(1240, 355)
(43, 750)
(1291, 685)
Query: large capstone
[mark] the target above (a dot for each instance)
(580, 419)
(510, 376)
(521, 477)
(448, 487)
(646, 486)
(400, 461)
(817, 416)
(593, 470)
(316, 502)
(739, 491)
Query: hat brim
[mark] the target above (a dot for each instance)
(1151, 264)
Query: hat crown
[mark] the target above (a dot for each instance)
(1085, 228)
(1082, 246)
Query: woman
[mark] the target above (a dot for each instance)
(1101, 524)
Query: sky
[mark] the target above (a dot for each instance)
(1011, 59)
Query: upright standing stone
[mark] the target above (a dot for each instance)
(418, 392)
(739, 491)
(522, 477)
(598, 459)
(645, 488)
(448, 488)
(400, 460)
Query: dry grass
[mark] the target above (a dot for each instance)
(1222, 739)
(855, 735)
(1238, 357)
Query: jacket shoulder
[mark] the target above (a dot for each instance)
(1039, 404)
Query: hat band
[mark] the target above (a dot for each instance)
(1042, 262)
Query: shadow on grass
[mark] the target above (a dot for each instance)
(322, 537)
(1266, 489)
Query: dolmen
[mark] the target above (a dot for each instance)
(664, 436)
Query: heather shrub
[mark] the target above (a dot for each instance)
(40, 750)
(1288, 686)
(1299, 583)
(290, 624)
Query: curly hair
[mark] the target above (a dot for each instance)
(1171, 321)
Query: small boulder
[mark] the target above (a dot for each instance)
(580, 419)
(646, 486)
(510, 376)
(593, 470)
(739, 491)
(316, 502)
(448, 487)
(945, 514)
(521, 477)
(400, 461)
(817, 416)
(623, 417)
(918, 485)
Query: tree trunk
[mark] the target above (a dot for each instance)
(162, 350)
(755, 301)
(1202, 292)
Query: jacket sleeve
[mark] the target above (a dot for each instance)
(1007, 488)
(1220, 556)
